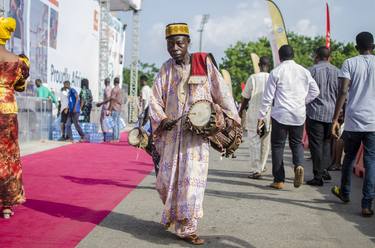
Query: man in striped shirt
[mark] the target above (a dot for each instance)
(319, 115)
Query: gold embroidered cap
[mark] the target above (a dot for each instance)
(176, 29)
(7, 27)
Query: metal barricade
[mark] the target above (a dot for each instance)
(34, 118)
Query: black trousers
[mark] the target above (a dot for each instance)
(279, 134)
(319, 134)
(73, 118)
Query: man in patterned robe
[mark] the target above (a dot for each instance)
(183, 155)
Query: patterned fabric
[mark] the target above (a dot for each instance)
(327, 78)
(86, 97)
(182, 176)
(11, 189)
(186, 228)
(12, 75)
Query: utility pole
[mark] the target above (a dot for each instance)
(103, 45)
(201, 30)
(133, 91)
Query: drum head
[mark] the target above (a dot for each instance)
(134, 137)
(200, 113)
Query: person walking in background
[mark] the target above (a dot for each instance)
(319, 115)
(115, 108)
(357, 80)
(85, 97)
(258, 146)
(145, 98)
(64, 103)
(74, 112)
(43, 92)
(105, 104)
(14, 72)
(289, 88)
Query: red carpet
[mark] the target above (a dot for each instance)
(70, 190)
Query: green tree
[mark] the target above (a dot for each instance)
(149, 70)
(237, 59)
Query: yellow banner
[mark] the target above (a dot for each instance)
(255, 60)
(227, 79)
(278, 33)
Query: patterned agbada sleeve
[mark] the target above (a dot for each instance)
(220, 92)
(23, 74)
(157, 105)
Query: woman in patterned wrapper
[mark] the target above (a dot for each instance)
(14, 70)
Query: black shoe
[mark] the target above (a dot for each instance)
(326, 176)
(337, 192)
(62, 139)
(255, 175)
(315, 182)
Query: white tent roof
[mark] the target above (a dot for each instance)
(125, 5)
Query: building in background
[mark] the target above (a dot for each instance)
(61, 38)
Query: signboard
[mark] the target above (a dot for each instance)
(61, 38)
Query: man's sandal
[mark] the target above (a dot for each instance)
(193, 239)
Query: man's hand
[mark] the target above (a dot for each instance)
(260, 125)
(108, 113)
(167, 124)
(65, 110)
(240, 113)
(335, 129)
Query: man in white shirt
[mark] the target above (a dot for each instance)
(64, 110)
(252, 97)
(145, 98)
(357, 80)
(289, 88)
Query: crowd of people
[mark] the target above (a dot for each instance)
(294, 98)
(75, 108)
(280, 103)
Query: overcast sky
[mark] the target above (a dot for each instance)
(244, 20)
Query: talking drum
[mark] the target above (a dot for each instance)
(138, 137)
(205, 118)
(228, 139)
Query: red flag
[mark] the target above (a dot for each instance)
(328, 28)
(243, 86)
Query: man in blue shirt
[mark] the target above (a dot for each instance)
(74, 111)
(357, 80)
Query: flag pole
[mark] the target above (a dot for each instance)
(328, 27)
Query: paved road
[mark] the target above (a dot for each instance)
(240, 212)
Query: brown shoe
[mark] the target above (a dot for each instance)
(366, 212)
(298, 176)
(194, 239)
(277, 185)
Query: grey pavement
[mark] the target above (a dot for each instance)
(28, 148)
(241, 212)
